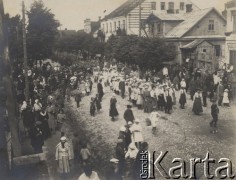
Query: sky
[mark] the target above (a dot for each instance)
(72, 13)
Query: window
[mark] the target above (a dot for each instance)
(110, 27)
(158, 27)
(234, 23)
(153, 5)
(181, 7)
(114, 26)
(171, 6)
(211, 25)
(118, 24)
(163, 6)
(107, 28)
(204, 50)
(103, 27)
(123, 24)
(217, 50)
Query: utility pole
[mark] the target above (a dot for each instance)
(25, 55)
(10, 98)
(140, 18)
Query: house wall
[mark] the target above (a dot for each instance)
(134, 29)
(230, 44)
(202, 27)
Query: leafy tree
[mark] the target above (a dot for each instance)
(146, 53)
(41, 31)
(14, 31)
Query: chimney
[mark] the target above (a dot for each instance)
(189, 8)
(99, 18)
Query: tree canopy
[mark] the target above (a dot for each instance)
(145, 52)
(41, 31)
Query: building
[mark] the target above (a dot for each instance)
(129, 16)
(91, 26)
(230, 47)
(199, 35)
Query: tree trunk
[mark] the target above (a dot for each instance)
(10, 102)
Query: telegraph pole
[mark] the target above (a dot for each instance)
(25, 55)
(10, 98)
(139, 18)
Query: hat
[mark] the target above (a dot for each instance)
(226, 90)
(129, 123)
(137, 120)
(63, 138)
(122, 129)
(114, 160)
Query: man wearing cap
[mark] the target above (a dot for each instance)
(128, 114)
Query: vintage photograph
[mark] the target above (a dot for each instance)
(117, 89)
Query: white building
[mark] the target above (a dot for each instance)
(126, 16)
(230, 47)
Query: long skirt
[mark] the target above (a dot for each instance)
(140, 100)
(197, 106)
(113, 111)
(63, 165)
(182, 99)
(51, 121)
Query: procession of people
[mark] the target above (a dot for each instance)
(152, 93)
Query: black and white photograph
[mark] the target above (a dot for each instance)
(117, 89)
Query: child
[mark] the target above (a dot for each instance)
(92, 107)
(214, 114)
(226, 98)
(85, 154)
(98, 103)
(182, 99)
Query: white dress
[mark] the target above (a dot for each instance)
(154, 117)
(136, 129)
(225, 98)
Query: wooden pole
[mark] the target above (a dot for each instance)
(10, 99)
(25, 55)
(139, 18)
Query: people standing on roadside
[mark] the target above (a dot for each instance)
(85, 154)
(63, 157)
(214, 114)
(113, 172)
(37, 138)
(226, 98)
(88, 174)
(197, 104)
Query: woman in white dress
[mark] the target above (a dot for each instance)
(136, 130)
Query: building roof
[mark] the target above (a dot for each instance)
(192, 44)
(169, 17)
(191, 19)
(123, 9)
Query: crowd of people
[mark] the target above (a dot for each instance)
(42, 112)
